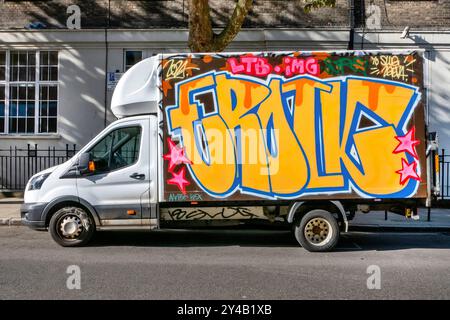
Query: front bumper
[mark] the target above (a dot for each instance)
(31, 214)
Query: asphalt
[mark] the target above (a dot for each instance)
(223, 264)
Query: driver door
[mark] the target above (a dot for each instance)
(119, 187)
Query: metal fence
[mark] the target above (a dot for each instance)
(18, 165)
(444, 172)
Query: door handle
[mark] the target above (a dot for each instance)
(139, 176)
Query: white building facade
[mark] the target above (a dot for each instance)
(57, 84)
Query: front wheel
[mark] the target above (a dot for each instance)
(71, 227)
(317, 231)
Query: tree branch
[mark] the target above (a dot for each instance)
(233, 26)
(316, 4)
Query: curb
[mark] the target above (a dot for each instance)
(11, 200)
(10, 222)
(418, 229)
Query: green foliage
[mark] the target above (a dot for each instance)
(315, 4)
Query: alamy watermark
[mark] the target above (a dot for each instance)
(73, 281)
(374, 280)
(373, 20)
(74, 20)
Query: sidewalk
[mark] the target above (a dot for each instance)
(440, 221)
(10, 211)
(374, 220)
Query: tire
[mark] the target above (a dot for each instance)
(67, 228)
(317, 231)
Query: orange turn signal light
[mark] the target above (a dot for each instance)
(436, 163)
(131, 212)
(91, 166)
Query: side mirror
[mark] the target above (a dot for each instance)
(85, 164)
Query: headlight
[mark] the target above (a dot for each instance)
(36, 182)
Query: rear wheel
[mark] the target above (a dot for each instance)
(317, 231)
(71, 227)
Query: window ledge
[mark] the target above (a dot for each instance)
(30, 136)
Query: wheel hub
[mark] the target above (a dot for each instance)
(317, 231)
(71, 227)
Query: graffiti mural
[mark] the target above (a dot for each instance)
(283, 126)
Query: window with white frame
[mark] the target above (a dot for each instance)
(48, 66)
(2, 66)
(132, 57)
(48, 105)
(21, 108)
(28, 91)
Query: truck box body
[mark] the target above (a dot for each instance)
(292, 125)
(304, 139)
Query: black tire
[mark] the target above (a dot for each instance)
(317, 231)
(67, 228)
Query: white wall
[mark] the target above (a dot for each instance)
(82, 68)
(82, 94)
(439, 98)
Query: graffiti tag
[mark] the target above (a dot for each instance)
(392, 67)
(178, 69)
(260, 67)
(344, 65)
(212, 213)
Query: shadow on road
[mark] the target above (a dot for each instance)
(353, 241)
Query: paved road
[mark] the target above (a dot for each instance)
(238, 264)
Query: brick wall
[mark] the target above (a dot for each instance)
(265, 13)
(167, 14)
(413, 13)
(18, 14)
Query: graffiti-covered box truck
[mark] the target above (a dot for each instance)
(302, 139)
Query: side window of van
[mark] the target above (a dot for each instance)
(120, 148)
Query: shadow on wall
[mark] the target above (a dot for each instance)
(85, 103)
(94, 13)
(82, 87)
(440, 98)
(174, 14)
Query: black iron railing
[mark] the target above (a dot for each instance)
(444, 172)
(18, 165)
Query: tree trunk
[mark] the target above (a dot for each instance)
(201, 36)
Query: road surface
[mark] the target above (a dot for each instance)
(223, 264)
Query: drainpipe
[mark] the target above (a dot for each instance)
(108, 22)
(106, 78)
(351, 16)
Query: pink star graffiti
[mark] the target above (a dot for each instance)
(407, 143)
(408, 171)
(178, 179)
(175, 156)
